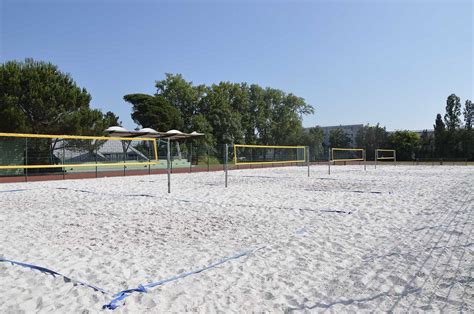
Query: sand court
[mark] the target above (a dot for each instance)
(396, 238)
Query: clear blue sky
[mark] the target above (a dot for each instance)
(393, 62)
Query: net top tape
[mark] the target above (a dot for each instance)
(77, 137)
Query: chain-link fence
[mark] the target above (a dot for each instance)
(71, 158)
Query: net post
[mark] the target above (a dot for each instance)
(64, 168)
(329, 160)
(365, 160)
(307, 156)
(26, 159)
(95, 156)
(376, 157)
(168, 164)
(149, 155)
(208, 160)
(395, 157)
(191, 158)
(124, 152)
(226, 154)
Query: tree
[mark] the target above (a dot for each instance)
(36, 97)
(313, 137)
(453, 111)
(371, 138)
(219, 104)
(468, 113)
(181, 95)
(427, 145)
(338, 138)
(406, 143)
(439, 136)
(232, 112)
(87, 122)
(154, 112)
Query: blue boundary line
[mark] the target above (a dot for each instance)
(16, 190)
(122, 295)
(54, 274)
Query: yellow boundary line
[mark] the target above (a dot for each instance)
(386, 150)
(382, 158)
(80, 165)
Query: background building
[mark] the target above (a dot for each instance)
(350, 129)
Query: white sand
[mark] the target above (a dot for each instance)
(408, 248)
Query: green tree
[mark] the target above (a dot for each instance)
(218, 107)
(406, 143)
(154, 112)
(427, 145)
(439, 136)
(468, 113)
(313, 137)
(370, 138)
(36, 97)
(338, 138)
(453, 112)
(181, 95)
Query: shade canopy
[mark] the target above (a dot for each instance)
(118, 131)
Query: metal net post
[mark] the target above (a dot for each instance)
(149, 157)
(191, 158)
(64, 167)
(376, 157)
(329, 160)
(26, 159)
(226, 153)
(308, 157)
(168, 157)
(365, 160)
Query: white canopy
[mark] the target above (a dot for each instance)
(118, 131)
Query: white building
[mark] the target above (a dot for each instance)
(350, 129)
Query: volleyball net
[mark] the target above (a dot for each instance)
(244, 154)
(345, 155)
(383, 155)
(40, 153)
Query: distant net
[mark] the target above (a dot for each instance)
(385, 154)
(347, 154)
(55, 153)
(267, 154)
